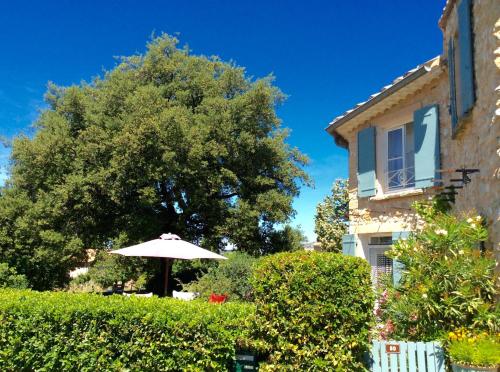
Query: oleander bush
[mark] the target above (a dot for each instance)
(87, 332)
(447, 282)
(313, 311)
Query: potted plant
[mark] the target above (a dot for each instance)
(475, 353)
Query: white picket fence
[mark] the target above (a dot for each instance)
(400, 356)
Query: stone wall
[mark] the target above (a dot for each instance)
(392, 212)
(477, 144)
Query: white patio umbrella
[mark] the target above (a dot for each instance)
(169, 247)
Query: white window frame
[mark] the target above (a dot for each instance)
(385, 186)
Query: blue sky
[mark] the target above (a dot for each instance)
(326, 56)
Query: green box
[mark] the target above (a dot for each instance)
(245, 361)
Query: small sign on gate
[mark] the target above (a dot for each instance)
(392, 348)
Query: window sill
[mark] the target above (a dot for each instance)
(399, 194)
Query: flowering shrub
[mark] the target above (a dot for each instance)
(447, 282)
(480, 350)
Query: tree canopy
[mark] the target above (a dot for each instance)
(164, 142)
(332, 216)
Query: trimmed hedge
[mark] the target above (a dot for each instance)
(314, 310)
(66, 331)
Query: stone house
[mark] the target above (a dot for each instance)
(407, 141)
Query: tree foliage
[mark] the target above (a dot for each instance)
(165, 142)
(9, 278)
(230, 277)
(109, 269)
(332, 215)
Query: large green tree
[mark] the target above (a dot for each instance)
(332, 216)
(165, 142)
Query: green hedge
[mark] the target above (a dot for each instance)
(314, 310)
(66, 331)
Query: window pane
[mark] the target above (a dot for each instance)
(395, 173)
(395, 143)
(381, 265)
(384, 264)
(381, 240)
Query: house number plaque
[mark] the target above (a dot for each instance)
(392, 348)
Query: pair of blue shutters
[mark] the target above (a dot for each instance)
(426, 145)
(466, 65)
(349, 249)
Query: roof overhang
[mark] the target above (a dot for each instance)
(448, 7)
(389, 96)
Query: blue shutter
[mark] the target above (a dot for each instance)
(366, 162)
(466, 59)
(348, 244)
(398, 267)
(453, 87)
(427, 154)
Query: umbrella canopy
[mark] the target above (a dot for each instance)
(169, 246)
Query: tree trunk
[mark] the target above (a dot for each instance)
(167, 264)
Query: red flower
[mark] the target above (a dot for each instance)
(383, 297)
(389, 326)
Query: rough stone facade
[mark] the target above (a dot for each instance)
(392, 212)
(476, 145)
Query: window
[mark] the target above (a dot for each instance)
(400, 158)
(381, 240)
(380, 264)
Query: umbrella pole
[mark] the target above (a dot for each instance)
(166, 275)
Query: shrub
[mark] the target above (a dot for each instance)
(187, 271)
(66, 331)
(108, 269)
(480, 350)
(230, 277)
(314, 310)
(447, 281)
(83, 284)
(9, 278)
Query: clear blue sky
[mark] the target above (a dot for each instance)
(326, 55)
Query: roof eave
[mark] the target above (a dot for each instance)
(448, 7)
(380, 97)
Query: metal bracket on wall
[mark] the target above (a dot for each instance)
(448, 192)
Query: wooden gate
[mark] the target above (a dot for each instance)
(400, 356)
